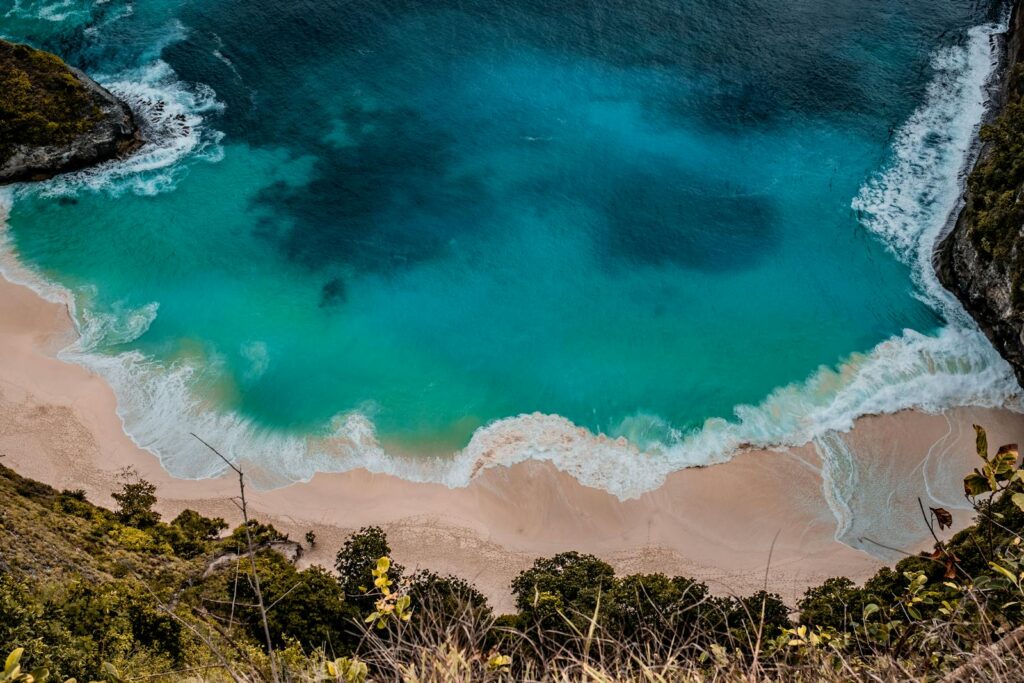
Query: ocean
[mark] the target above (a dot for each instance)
(625, 237)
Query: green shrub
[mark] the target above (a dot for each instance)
(41, 102)
(135, 501)
(356, 561)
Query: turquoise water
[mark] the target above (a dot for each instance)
(412, 220)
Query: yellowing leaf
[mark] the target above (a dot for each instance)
(1002, 570)
(976, 484)
(13, 659)
(1006, 459)
(981, 442)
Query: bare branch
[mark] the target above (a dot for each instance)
(252, 557)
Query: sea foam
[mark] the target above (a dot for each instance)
(170, 116)
(906, 205)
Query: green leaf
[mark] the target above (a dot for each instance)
(869, 609)
(981, 442)
(1018, 500)
(13, 659)
(975, 484)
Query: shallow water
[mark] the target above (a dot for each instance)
(397, 223)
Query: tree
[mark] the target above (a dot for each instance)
(660, 610)
(575, 578)
(308, 606)
(837, 603)
(355, 563)
(199, 527)
(762, 615)
(260, 534)
(135, 500)
(190, 534)
(444, 597)
(560, 588)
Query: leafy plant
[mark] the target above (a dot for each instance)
(997, 474)
(348, 670)
(391, 604)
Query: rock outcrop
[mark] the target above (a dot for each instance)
(981, 260)
(54, 118)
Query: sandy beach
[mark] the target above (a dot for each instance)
(763, 517)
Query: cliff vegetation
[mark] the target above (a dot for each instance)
(54, 118)
(981, 260)
(119, 595)
(995, 211)
(42, 103)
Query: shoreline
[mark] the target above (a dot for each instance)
(719, 524)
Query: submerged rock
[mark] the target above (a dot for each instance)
(981, 260)
(54, 118)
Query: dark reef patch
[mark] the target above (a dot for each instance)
(333, 292)
(386, 201)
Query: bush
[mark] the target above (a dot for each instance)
(41, 102)
(190, 534)
(834, 604)
(355, 563)
(261, 534)
(135, 501)
(307, 607)
(437, 596)
(665, 611)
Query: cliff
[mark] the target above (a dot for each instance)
(54, 118)
(982, 258)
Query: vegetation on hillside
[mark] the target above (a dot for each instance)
(995, 212)
(41, 101)
(120, 594)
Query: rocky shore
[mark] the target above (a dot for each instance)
(55, 119)
(981, 260)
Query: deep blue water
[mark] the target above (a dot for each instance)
(635, 215)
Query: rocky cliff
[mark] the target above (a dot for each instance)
(54, 118)
(982, 259)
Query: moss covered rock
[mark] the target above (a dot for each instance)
(54, 118)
